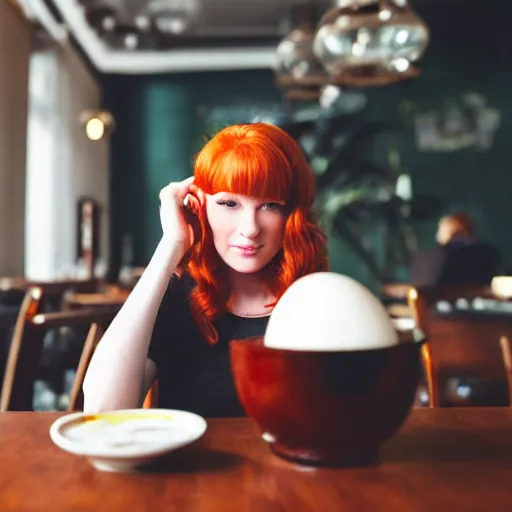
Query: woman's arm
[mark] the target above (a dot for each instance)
(119, 371)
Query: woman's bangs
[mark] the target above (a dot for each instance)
(249, 171)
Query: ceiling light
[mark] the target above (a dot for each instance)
(97, 124)
(143, 23)
(108, 23)
(94, 129)
(370, 38)
(295, 54)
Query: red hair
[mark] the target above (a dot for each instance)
(461, 226)
(263, 161)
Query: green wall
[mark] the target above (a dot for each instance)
(161, 124)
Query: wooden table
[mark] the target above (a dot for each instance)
(442, 459)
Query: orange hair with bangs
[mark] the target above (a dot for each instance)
(263, 161)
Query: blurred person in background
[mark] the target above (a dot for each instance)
(458, 258)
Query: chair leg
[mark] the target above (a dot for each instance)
(506, 352)
(433, 388)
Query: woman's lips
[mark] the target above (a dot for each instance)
(247, 250)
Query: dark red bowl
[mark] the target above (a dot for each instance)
(327, 408)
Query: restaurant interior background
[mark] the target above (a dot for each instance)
(164, 110)
(104, 102)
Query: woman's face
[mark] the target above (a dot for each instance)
(446, 230)
(247, 232)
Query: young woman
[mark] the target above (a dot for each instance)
(235, 236)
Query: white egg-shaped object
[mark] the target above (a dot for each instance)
(326, 311)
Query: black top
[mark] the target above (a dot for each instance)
(455, 263)
(192, 374)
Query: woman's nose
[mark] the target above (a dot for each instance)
(249, 227)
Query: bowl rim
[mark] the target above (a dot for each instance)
(414, 337)
(70, 446)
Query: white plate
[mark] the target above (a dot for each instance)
(122, 440)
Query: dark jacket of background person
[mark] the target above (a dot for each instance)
(455, 263)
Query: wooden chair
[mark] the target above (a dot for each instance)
(13, 290)
(394, 297)
(27, 345)
(396, 291)
(459, 344)
(19, 363)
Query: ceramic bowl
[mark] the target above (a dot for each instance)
(126, 439)
(327, 408)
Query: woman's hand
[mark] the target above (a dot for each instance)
(179, 204)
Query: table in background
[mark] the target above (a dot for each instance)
(442, 459)
(113, 296)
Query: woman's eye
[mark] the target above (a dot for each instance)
(227, 204)
(272, 206)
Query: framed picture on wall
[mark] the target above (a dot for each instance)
(87, 236)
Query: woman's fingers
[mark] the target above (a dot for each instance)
(201, 196)
(175, 222)
(193, 203)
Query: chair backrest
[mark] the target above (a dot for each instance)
(396, 291)
(20, 362)
(421, 299)
(50, 287)
(54, 292)
(27, 345)
(461, 345)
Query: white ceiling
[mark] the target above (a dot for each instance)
(216, 17)
(228, 18)
(226, 34)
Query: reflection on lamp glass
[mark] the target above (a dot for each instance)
(131, 41)
(172, 24)
(108, 23)
(174, 17)
(143, 23)
(295, 54)
(370, 36)
(404, 187)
